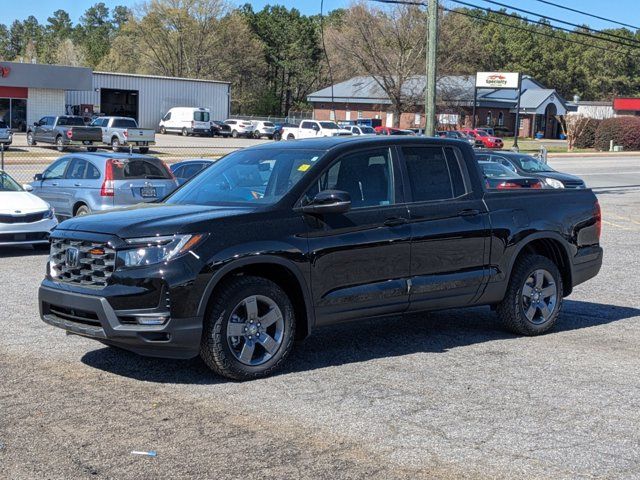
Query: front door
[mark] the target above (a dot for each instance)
(49, 188)
(450, 231)
(360, 259)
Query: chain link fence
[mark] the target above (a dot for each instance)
(22, 162)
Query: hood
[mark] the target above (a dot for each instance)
(25, 202)
(146, 219)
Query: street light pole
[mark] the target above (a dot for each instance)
(432, 50)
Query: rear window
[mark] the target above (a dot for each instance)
(268, 124)
(70, 122)
(201, 116)
(140, 168)
(124, 123)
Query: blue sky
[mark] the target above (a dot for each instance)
(626, 11)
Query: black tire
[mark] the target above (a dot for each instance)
(215, 349)
(277, 137)
(115, 144)
(234, 133)
(291, 137)
(163, 130)
(185, 132)
(92, 149)
(257, 135)
(82, 210)
(144, 150)
(511, 310)
(60, 144)
(30, 139)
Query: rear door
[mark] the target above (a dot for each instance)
(141, 179)
(450, 229)
(73, 181)
(360, 259)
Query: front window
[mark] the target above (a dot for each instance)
(482, 133)
(248, 177)
(329, 125)
(531, 164)
(8, 184)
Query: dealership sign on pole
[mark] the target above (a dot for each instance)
(497, 80)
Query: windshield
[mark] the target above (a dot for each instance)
(482, 133)
(8, 184)
(531, 164)
(329, 125)
(248, 177)
(70, 122)
(495, 170)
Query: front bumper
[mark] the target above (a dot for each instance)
(93, 316)
(27, 233)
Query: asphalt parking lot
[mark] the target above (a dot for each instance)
(444, 395)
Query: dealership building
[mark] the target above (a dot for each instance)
(30, 91)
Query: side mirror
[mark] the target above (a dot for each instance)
(37, 177)
(328, 201)
(27, 188)
(36, 124)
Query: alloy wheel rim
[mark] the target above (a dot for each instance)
(539, 296)
(255, 330)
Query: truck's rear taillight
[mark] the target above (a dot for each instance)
(107, 189)
(597, 213)
(70, 133)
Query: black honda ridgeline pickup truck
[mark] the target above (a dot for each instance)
(274, 240)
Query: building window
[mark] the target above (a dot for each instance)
(347, 115)
(489, 118)
(332, 114)
(359, 114)
(416, 119)
(501, 119)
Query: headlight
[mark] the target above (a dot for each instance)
(49, 213)
(553, 183)
(151, 250)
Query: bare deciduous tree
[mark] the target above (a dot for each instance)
(574, 125)
(387, 44)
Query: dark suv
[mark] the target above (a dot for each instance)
(274, 240)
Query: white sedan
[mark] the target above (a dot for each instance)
(24, 218)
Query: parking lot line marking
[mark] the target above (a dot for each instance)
(623, 218)
(618, 226)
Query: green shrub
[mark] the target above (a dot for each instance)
(587, 137)
(623, 131)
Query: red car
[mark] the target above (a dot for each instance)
(392, 131)
(487, 140)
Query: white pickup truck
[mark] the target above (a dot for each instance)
(122, 132)
(6, 136)
(312, 129)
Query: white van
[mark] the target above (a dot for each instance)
(187, 121)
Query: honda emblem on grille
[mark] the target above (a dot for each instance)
(72, 257)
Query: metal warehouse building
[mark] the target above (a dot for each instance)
(31, 91)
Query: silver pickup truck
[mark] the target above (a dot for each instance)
(123, 132)
(6, 136)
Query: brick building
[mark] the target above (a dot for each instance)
(362, 97)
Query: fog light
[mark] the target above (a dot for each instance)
(152, 319)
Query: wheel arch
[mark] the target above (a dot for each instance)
(552, 246)
(280, 271)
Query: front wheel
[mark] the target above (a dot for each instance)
(163, 130)
(234, 134)
(534, 296)
(30, 139)
(250, 329)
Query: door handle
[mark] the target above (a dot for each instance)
(77, 184)
(55, 184)
(469, 212)
(395, 221)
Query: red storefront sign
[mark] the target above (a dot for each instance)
(632, 104)
(14, 92)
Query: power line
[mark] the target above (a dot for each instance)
(513, 27)
(528, 12)
(588, 14)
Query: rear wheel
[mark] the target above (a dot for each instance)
(115, 144)
(30, 140)
(185, 132)
(534, 296)
(234, 133)
(291, 137)
(250, 329)
(60, 143)
(82, 211)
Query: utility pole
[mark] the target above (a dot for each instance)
(432, 50)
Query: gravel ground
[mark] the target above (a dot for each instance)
(444, 395)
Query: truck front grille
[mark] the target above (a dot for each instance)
(82, 262)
